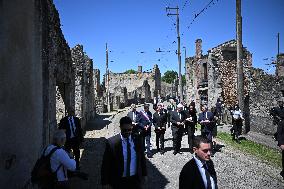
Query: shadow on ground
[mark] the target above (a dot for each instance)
(98, 123)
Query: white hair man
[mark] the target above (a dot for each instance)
(60, 161)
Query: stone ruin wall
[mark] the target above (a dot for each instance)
(84, 84)
(265, 90)
(133, 83)
(223, 72)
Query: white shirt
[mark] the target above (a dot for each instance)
(72, 126)
(202, 172)
(60, 157)
(134, 116)
(133, 162)
(237, 114)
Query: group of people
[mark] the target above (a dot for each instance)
(124, 161)
(63, 155)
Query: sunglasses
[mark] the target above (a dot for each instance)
(206, 150)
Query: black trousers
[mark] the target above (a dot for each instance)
(177, 138)
(132, 182)
(237, 128)
(190, 134)
(160, 140)
(282, 160)
(74, 144)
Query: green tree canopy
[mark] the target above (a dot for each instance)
(131, 71)
(170, 75)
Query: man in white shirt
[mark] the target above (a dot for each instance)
(199, 172)
(60, 161)
(124, 163)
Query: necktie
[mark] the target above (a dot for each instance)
(207, 174)
(134, 117)
(128, 158)
(71, 122)
(179, 114)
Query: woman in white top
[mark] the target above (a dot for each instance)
(237, 123)
(60, 161)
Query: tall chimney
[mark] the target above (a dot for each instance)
(139, 69)
(198, 48)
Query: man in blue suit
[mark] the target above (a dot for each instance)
(145, 122)
(206, 118)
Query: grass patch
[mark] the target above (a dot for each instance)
(264, 153)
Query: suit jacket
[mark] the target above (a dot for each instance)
(130, 115)
(113, 164)
(160, 120)
(210, 117)
(143, 121)
(64, 124)
(193, 115)
(280, 133)
(176, 118)
(190, 176)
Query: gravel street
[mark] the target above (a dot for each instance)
(234, 169)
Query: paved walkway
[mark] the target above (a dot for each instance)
(234, 169)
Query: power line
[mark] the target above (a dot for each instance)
(200, 12)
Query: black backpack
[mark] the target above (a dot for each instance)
(42, 169)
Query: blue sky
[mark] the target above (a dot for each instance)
(132, 26)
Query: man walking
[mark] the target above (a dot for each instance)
(124, 162)
(177, 119)
(133, 115)
(206, 119)
(199, 172)
(74, 135)
(160, 121)
(190, 123)
(145, 123)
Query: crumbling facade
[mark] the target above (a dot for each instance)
(38, 86)
(84, 85)
(136, 87)
(214, 75)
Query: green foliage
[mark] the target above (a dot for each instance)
(169, 76)
(264, 153)
(131, 71)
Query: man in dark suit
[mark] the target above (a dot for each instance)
(160, 121)
(280, 130)
(206, 120)
(134, 115)
(177, 119)
(124, 162)
(74, 134)
(190, 123)
(145, 122)
(199, 172)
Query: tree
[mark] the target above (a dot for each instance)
(169, 76)
(131, 71)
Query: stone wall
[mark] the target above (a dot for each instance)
(265, 90)
(84, 85)
(214, 75)
(36, 68)
(134, 83)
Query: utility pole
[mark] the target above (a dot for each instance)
(278, 51)
(178, 52)
(240, 70)
(107, 81)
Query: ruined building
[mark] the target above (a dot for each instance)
(38, 75)
(214, 75)
(139, 87)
